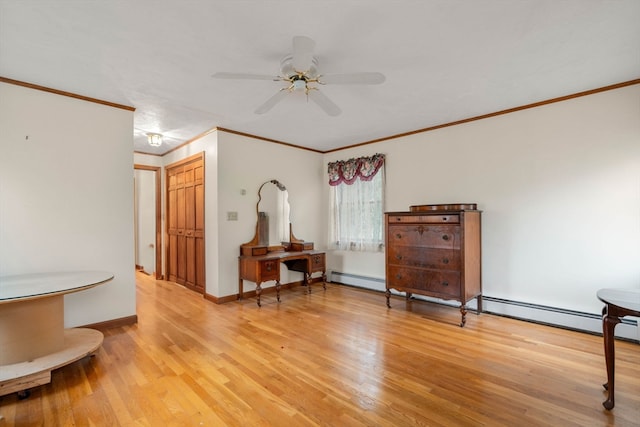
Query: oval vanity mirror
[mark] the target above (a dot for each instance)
(273, 211)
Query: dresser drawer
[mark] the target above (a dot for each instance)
(430, 236)
(437, 282)
(413, 256)
(426, 219)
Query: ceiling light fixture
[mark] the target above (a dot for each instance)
(155, 139)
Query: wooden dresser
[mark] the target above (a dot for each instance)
(434, 250)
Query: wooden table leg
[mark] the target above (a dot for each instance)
(609, 323)
(258, 293)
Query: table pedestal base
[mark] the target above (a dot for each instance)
(78, 343)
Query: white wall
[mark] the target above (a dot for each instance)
(559, 186)
(66, 191)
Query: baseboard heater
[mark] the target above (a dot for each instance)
(553, 316)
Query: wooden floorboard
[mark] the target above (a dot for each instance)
(333, 358)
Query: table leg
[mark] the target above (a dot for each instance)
(258, 293)
(278, 290)
(608, 327)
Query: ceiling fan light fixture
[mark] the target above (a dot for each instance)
(300, 68)
(300, 84)
(154, 139)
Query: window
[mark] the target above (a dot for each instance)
(357, 204)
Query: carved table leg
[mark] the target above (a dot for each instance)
(324, 280)
(608, 326)
(258, 293)
(388, 295)
(463, 311)
(278, 290)
(307, 279)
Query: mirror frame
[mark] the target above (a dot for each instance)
(255, 242)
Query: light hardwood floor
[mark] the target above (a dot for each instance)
(337, 357)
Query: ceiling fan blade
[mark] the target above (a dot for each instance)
(352, 78)
(303, 48)
(268, 105)
(325, 103)
(245, 76)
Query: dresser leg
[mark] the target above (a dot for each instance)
(278, 290)
(388, 295)
(479, 304)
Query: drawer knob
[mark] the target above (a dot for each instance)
(445, 283)
(398, 256)
(445, 261)
(445, 237)
(398, 236)
(268, 266)
(398, 276)
(445, 218)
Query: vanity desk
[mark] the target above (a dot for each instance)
(260, 260)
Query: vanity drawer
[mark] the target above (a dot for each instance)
(301, 246)
(269, 270)
(317, 263)
(253, 250)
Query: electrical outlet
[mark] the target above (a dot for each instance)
(232, 216)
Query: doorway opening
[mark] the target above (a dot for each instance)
(148, 220)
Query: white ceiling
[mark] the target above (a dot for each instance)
(444, 60)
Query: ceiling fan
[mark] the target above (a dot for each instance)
(300, 72)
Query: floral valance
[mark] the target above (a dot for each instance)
(347, 171)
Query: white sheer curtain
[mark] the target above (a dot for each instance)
(357, 204)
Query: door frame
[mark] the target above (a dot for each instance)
(158, 186)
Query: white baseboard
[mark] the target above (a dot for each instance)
(586, 322)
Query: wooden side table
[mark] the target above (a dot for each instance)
(618, 304)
